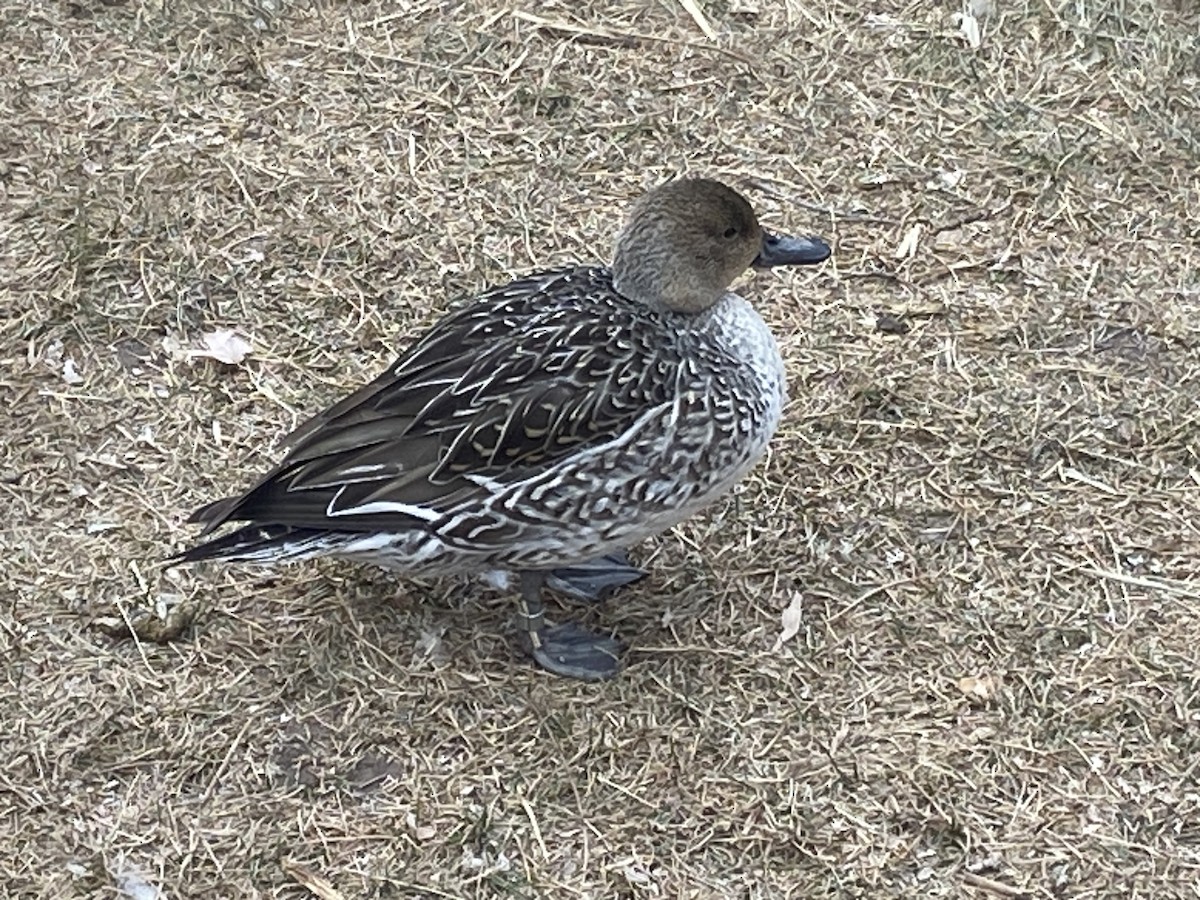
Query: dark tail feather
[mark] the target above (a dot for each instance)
(213, 514)
(258, 543)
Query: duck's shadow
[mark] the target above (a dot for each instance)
(467, 624)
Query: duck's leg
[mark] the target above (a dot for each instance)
(567, 650)
(595, 580)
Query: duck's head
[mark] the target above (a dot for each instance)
(687, 240)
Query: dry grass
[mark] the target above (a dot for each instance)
(992, 518)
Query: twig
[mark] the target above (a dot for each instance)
(537, 831)
(233, 745)
(1171, 587)
(865, 596)
(694, 10)
(626, 791)
(626, 37)
(995, 887)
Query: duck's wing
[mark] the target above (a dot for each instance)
(524, 377)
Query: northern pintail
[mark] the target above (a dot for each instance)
(545, 424)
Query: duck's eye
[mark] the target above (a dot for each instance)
(731, 232)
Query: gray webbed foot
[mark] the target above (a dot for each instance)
(595, 580)
(567, 650)
(574, 652)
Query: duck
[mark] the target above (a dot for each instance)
(544, 426)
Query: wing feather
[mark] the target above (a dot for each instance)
(504, 388)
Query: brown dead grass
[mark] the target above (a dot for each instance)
(992, 519)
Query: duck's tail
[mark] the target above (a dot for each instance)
(267, 544)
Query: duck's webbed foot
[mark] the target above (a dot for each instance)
(595, 580)
(567, 650)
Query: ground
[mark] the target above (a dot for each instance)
(984, 500)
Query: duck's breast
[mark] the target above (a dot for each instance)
(753, 383)
(728, 406)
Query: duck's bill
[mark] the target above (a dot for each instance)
(783, 250)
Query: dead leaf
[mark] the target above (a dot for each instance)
(70, 373)
(145, 625)
(790, 620)
(420, 832)
(977, 688)
(981, 9)
(224, 346)
(946, 180)
(132, 884)
(908, 246)
(318, 885)
(969, 29)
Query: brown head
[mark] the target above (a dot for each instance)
(686, 241)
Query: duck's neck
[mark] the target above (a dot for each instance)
(661, 289)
